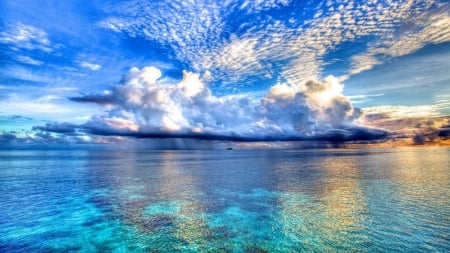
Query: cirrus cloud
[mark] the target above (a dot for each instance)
(26, 37)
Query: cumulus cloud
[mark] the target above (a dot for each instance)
(143, 107)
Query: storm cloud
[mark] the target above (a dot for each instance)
(54, 127)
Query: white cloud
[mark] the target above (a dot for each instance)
(48, 98)
(260, 5)
(142, 106)
(90, 66)
(190, 28)
(442, 101)
(436, 30)
(29, 60)
(399, 112)
(26, 37)
(265, 48)
(356, 99)
(428, 28)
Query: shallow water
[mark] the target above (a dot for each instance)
(369, 200)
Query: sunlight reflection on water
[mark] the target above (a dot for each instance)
(238, 201)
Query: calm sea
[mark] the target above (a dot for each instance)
(347, 200)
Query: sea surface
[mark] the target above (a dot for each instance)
(345, 200)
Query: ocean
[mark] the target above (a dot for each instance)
(324, 200)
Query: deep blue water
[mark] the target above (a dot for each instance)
(370, 200)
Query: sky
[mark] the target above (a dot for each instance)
(258, 73)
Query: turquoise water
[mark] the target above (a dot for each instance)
(371, 200)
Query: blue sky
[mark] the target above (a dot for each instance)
(61, 60)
